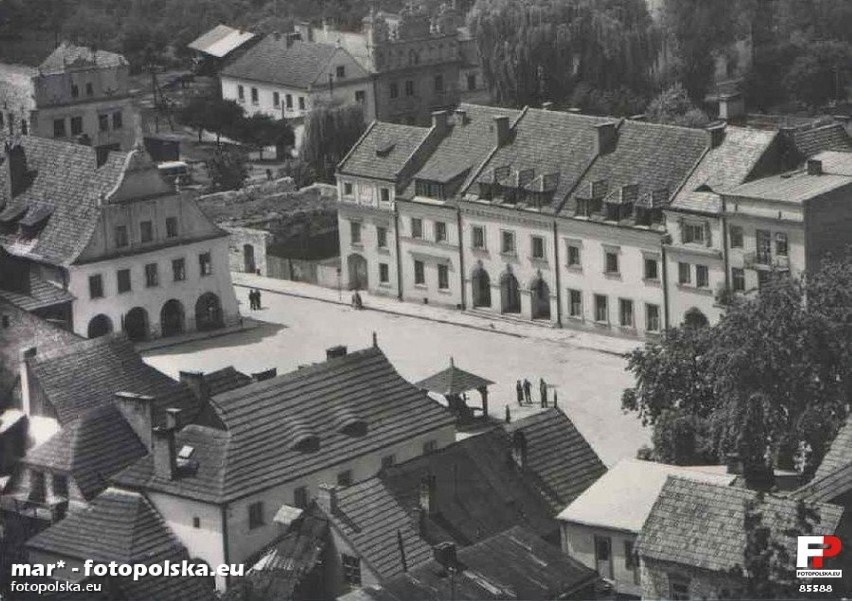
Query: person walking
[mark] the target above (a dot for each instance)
(542, 385)
(257, 298)
(519, 388)
(251, 299)
(527, 391)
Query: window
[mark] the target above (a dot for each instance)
(90, 91)
(384, 194)
(440, 231)
(121, 236)
(171, 227)
(478, 237)
(575, 303)
(409, 88)
(384, 273)
(300, 497)
(394, 90)
(507, 243)
(381, 237)
(241, 94)
(692, 233)
(388, 461)
(611, 263)
(651, 269)
(416, 227)
(344, 478)
(625, 312)
(351, 569)
(340, 71)
(96, 286)
(301, 103)
(601, 310)
(537, 247)
(196, 522)
(430, 446)
(146, 231)
(439, 83)
(471, 82)
(678, 587)
(684, 273)
(288, 101)
(763, 242)
(254, 96)
(59, 128)
(781, 244)
(652, 318)
(443, 277)
(255, 515)
(75, 91)
(355, 232)
(360, 96)
(630, 561)
(702, 277)
(60, 485)
(573, 253)
(152, 278)
(738, 279)
(122, 277)
(276, 99)
(24, 126)
(419, 274)
(347, 188)
(736, 234)
(178, 270)
(205, 264)
(762, 279)
(76, 126)
(117, 120)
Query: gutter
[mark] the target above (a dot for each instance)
(461, 258)
(398, 256)
(557, 270)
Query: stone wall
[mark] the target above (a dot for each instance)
(247, 249)
(703, 584)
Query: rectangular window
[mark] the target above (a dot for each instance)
(430, 446)
(573, 255)
(301, 103)
(625, 312)
(394, 90)
(351, 569)
(288, 101)
(507, 243)
(254, 96)
(384, 194)
(103, 122)
(152, 277)
(440, 231)
(121, 236)
(781, 244)
(478, 237)
(205, 264)
(575, 303)
(276, 99)
(652, 269)
(59, 128)
(255, 515)
(123, 280)
(360, 96)
(60, 485)
(171, 227)
(702, 276)
(347, 188)
(117, 120)
(692, 233)
(419, 273)
(90, 90)
(762, 279)
(179, 270)
(678, 587)
(241, 94)
(344, 478)
(340, 71)
(601, 309)
(381, 237)
(763, 241)
(388, 461)
(416, 227)
(96, 286)
(146, 231)
(355, 232)
(443, 277)
(439, 83)
(630, 563)
(736, 235)
(409, 88)
(652, 318)
(75, 91)
(196, 522)
(471, 82)
(300, 497)
(684, 273)
(737, 279)
(76, 126)
(611, 263)
(384, 273)
(537, 247)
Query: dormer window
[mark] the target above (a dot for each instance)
(429, 189)
(10, 217)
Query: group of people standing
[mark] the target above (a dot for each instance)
(524, 390)
(254, 299)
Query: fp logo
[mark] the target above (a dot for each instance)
(817, 547)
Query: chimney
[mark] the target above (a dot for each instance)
(173, 418)
(547, 106)
(418, 516)
(196, 381)
(814, 167)
(265, 375)
(277, 36)
(335, 351)
(606, 137)
(519, 449)
(461, 116)
(327, 498)
(501, 129)
(137, 410)
(441, 122)
(165, 458)
(717, 134)
(428, 500)
(445, 554)
(26, 396)
(735, 466)
(731, 106)
(16, 169)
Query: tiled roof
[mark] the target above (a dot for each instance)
(86, 375)
(41, 294)
(178, 588)
(220, 41)
(118, 525)
(701, 525)
(514, 564)
(68, 55)
(835, 162)
(562, 461)
(66, 179)
(623, 497)
(226, 379)
(723, 167)
(383, 150)
(839, 453)
(371, 520)
(91, 449)
(267, 422)
(810, 141)
(297, 64)
(793, 187)
(452, 380)
(828, 487)
(479, 491)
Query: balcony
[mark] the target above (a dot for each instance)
(765, 261)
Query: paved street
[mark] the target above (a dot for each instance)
(294, 331)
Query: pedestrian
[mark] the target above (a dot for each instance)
(508, 415)
(251, 299)
(358, 302)
(542, 385)
(257, 298)
(527, 391)
(520, 390)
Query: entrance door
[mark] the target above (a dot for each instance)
(357, 272)
(248, 256)
(540, 293)
(603, 556)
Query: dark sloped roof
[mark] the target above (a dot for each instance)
(701, 525)
(839, 453)
(369, 518)
(88, 374)
(68, 55)
(452, 380)
(118, 525)
(810, 141)
(383, 150)
(265, 420)
(91, 448)
(177, 588)
(226, 379)
(562, 461)
(828, 487)
(515, 564)
(479, 491)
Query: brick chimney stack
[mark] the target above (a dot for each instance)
(165, 457)
(501, 130)
(327, 498)
(197, 383)
(441, 122)
(137, 410)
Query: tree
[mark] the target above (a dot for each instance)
(228, 169)
(816, 75)
(194, 114)
(222, 117)
(673, 106)
(89, 27)
(752, 444)
(330, 131)
(260, 131)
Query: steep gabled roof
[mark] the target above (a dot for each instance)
(839, 453)
(220, 41)
(808, 141)
(226, 379)
(383, 150)
(828, 487)
(68, 56)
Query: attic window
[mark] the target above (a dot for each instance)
(10, 217)
(385, 149)
(186, 452)
(35, 220)
(305, 443)
(354, 428)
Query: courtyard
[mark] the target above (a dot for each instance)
(292, 331)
